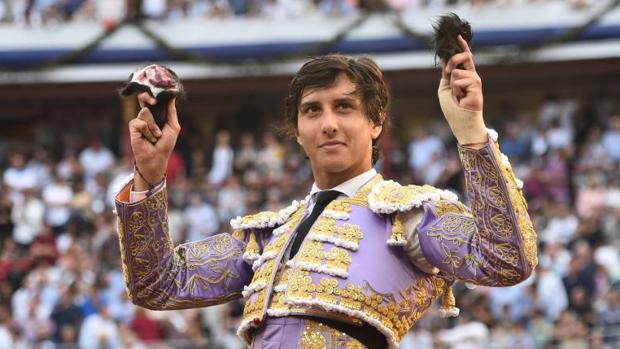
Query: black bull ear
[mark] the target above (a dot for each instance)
(447, 29)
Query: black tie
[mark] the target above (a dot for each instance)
(322, 200)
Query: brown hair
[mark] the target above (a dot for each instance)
(322, 71)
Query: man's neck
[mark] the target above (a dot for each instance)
(350, 186)
(330, 180)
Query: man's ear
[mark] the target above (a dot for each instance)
(376, 131)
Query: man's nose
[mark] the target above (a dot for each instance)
(330, 123)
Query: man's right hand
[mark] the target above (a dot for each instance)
(152, 146)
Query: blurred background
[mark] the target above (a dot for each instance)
(551, 71)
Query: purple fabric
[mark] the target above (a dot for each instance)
(385, 268)
(191, 275)
(279, 333)
(485, 246)
(291, 332)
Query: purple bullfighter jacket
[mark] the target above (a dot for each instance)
(351, 266)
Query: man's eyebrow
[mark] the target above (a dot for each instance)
(308, 104)
(351, 98)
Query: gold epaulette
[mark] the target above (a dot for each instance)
(388, 197)
(265, 219)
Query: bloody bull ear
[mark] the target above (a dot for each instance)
(447, 29)
(160, 82)
(154, 79)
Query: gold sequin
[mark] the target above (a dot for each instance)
(398, 229)
(397, 316)
(318, 336)
(339, 206)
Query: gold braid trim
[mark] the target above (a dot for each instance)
(528, 234)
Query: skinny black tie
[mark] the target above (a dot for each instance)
(322, 200)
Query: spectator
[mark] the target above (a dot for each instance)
(231, 200)
(69, 168)
(611, 138)
(27, 217)
(18, 176)
(145, 327)
(570, 332)
(95, 159)
(6, 224)
(34, 327)
(591, 197)
(223, 157)
(99, 330)
(67, 318)
(202, 220)
(245, 158)
(610, 316)
(515, 143)
(423, 150)
(467, 334)
(550, 293)
(57, 198)
(562, 227)
(270, 159)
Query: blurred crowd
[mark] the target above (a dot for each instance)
(61, 284)
(46, 12)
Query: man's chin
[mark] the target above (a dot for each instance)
(332, 166)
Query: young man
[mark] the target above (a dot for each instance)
(357, 262)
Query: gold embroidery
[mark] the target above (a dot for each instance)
(253, 308)
(337, 259)
(393, 194)
(313, 338)
(277, 244)
(238, 234)
(259, 219)
(153, 269)
(252, 247)
(339, 206)
(361, 198)
(444, 207)
(398, 316)
(520, 207)
(256, 306)
(311, 255)
(318, 336)
(398, 230)
(351, 233)
(493, 229)
(124, 267)
(326, 230)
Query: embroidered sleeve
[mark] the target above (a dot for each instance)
(159, 276)
(493, 243)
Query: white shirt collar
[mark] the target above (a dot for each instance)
(351, 186)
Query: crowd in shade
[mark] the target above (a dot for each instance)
(50, 12)
(61, 283)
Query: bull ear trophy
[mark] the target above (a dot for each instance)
(160, 82)
(447, 29)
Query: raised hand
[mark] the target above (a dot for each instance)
(151, 145)
(460, 97)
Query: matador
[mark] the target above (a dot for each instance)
(356, 262)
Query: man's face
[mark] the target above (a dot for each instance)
(335, 132)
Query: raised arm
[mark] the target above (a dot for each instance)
(493, 243)
(157, 275)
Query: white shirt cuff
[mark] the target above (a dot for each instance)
(135, 196)
(412, 248)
